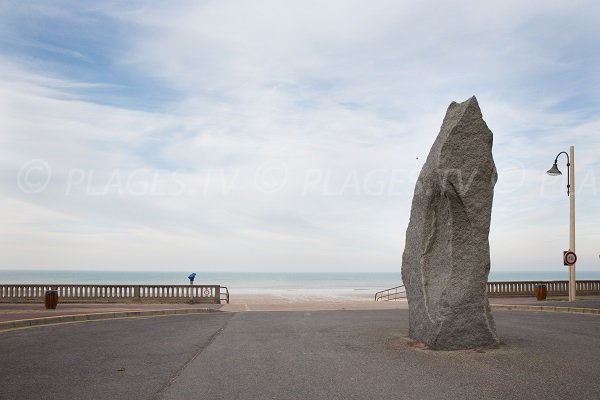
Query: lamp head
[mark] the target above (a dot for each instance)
(554, 171)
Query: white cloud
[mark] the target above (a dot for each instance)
(330, 91)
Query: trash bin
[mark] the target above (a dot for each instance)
(51, 299)
(541, 291)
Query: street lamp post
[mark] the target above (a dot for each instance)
(571, 193)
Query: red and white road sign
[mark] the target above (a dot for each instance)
(570, 258)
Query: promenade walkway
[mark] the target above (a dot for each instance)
(585, 305)
(12, 312)
(26, 311)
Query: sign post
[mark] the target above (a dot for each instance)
(572, 285)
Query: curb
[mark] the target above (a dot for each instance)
(522, 307)
(27, 323)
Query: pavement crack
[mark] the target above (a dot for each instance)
(177, 373)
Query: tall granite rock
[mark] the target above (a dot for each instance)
(446, 260)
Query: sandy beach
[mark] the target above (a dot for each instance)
(238, 303)
(280, 303)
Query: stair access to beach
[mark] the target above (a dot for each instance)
(392, 294)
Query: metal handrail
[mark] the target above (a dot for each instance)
(388, 295)
(226, 293)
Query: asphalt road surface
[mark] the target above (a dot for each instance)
(298, 355)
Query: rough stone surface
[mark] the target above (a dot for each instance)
(446, 260)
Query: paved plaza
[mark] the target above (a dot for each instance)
(341, 354)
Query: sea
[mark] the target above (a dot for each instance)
(290, 285)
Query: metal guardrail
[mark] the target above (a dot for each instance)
(392, 294)
(226, 294)
(20, 293)
(513, 289)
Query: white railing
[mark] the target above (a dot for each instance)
(512, 289)
(555, 288)
(114, 293)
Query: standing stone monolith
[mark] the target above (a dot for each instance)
(446, 259)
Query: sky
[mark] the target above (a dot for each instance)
(284, 135)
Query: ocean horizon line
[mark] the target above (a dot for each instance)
(252, 278)
(203, 269)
